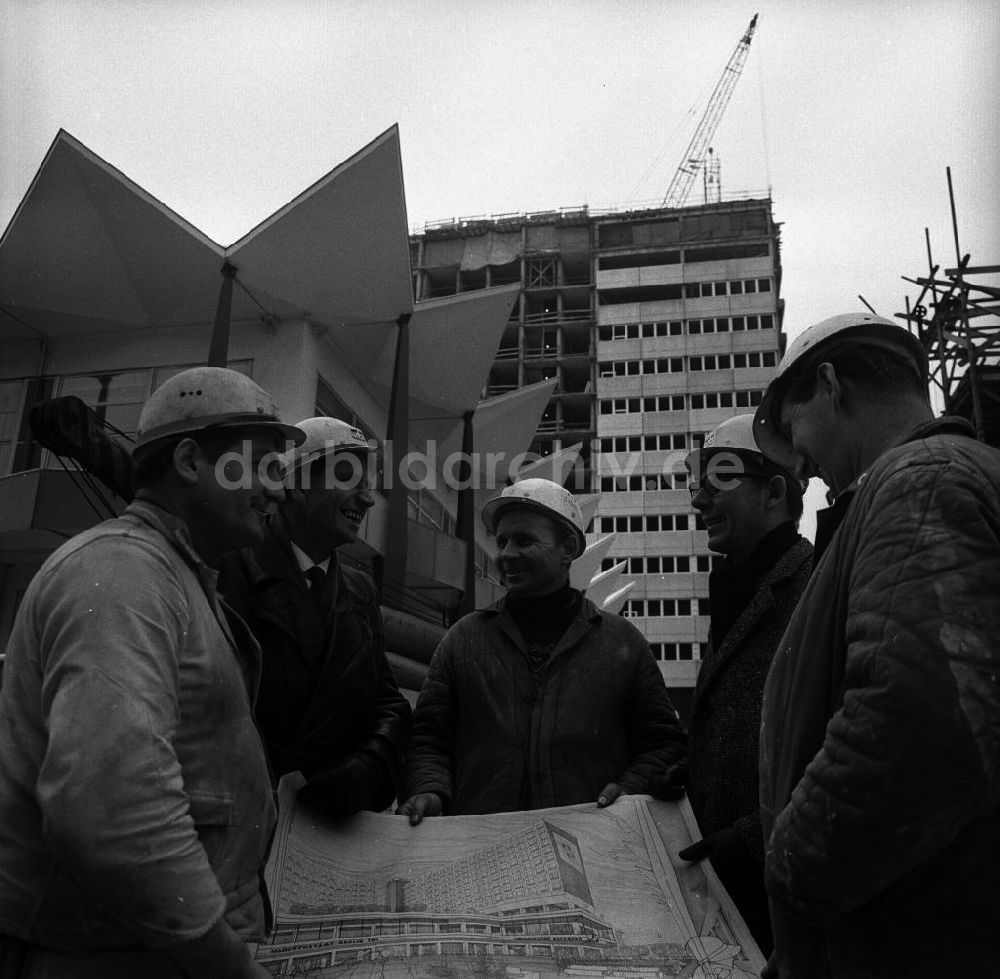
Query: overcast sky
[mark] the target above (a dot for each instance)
(227, 109)
(848, 111)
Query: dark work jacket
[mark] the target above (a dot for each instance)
(492, 734)
(327, 691)
(880, 738)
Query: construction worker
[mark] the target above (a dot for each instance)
(880, 738)
(750, 509)
(542, 699)
(135, 802)
(329, 705)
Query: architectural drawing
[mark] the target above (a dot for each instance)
(576, 892)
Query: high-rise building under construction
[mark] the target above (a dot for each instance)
(656, 325)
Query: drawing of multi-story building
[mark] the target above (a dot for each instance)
(526, 895)
(539, 863)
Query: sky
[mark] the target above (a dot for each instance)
(848, 112)
(227, 109)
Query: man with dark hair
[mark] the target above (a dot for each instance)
(329, 705)
(880, 737)
(135, 801)
(750, 508)
(541, 700)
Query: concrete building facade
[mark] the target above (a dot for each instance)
(656, 325)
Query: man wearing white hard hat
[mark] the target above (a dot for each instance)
(329, 705)
(750, 508)
(136, 806)
(880, 738)
(541, 700)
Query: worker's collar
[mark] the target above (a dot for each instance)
(945, 425)
(305, 562)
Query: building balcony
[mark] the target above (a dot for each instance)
(557, 317)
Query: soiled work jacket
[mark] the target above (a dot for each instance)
(491, 733)
(135, 802)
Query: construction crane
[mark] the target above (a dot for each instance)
(694, 157)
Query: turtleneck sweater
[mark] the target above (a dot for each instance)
(543, 619)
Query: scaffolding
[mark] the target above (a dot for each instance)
(957, 319)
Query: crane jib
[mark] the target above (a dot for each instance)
(694, 156)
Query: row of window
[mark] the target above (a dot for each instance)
(676, 365)
(649, 443)
(722, 362)
(734, 287)
(662, 564)
(680, 402)
(677, 328)
(644, 482)
(642, 523)
(664, 608)
(726, 399)
(672, 651)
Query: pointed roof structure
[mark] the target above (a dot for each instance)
(90, 252)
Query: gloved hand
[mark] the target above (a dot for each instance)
(608, 794)
(670, 784)
(418, 806)
(722, 848)
(346, 787)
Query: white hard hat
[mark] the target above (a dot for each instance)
(544, 496)
(822, 340)
(736, 435)
(324, 436)
(733, 433)
(208, 398)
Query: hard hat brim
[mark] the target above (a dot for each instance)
(491, 510)
(194, 426)
(292, 465)
(766, 428)
(845, 331)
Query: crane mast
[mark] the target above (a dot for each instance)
(694, 156)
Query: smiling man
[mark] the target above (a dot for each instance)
(541, 700)
(750, 508)
(329, 705)
(135, 801)
(880, 737)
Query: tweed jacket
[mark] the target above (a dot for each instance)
(724, 729)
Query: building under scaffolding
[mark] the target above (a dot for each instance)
(655, 326)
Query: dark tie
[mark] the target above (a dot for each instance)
(317, 577)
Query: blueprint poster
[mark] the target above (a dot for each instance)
(576, 892)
